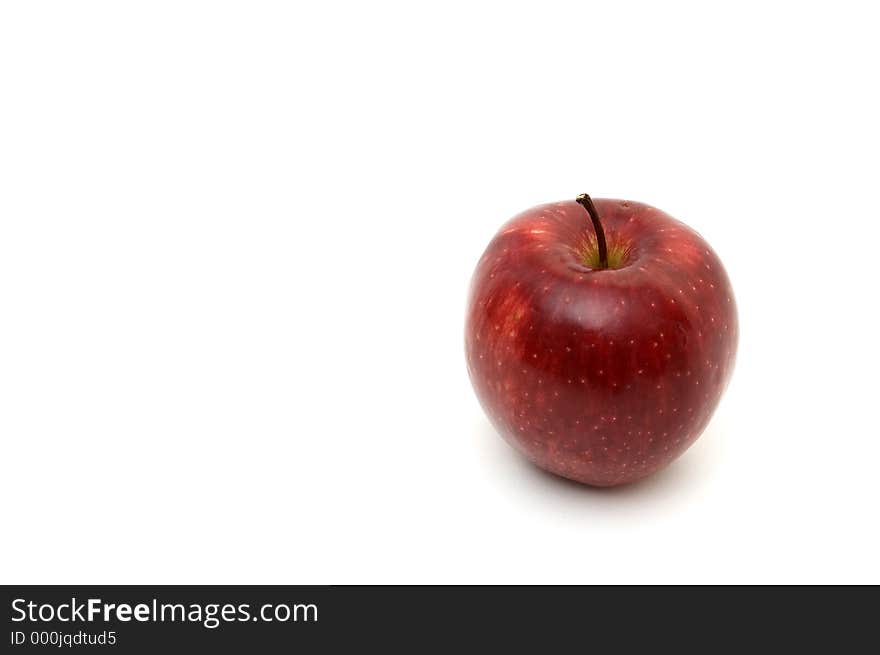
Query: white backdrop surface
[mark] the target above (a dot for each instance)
(235, 245)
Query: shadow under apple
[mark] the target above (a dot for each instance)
(682, 478)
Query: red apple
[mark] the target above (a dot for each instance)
(600, 337)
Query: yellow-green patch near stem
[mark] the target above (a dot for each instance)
(617, 255)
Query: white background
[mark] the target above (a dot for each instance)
(235, 244)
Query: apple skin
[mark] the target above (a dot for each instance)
(603, 376)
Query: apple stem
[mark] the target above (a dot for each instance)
(587, 203)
